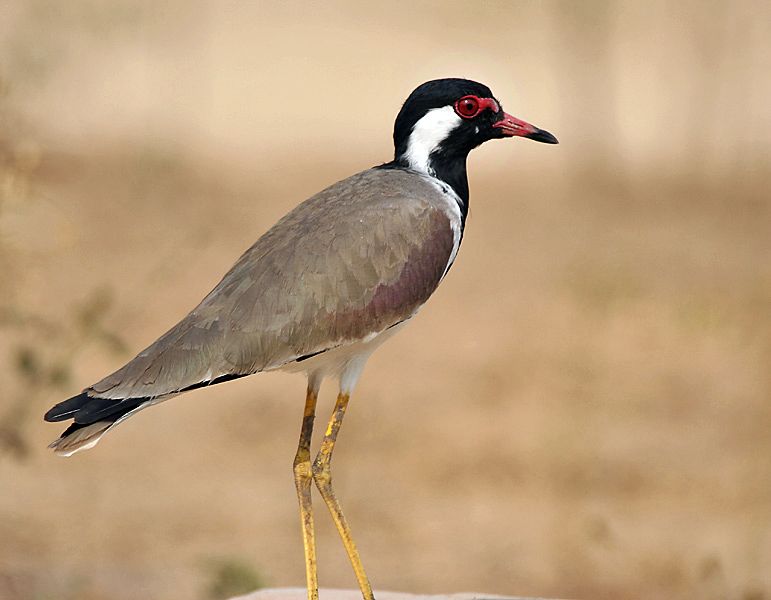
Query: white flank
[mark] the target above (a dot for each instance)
(351, 373)
(427, 134)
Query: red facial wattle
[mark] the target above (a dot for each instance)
(469, 107)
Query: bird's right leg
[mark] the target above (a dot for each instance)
(303, 477)
(322, 475)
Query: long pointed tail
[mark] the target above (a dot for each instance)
(93, 417)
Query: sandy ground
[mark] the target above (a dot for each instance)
(301, 594)
(582, 410)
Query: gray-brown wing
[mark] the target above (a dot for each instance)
(353, 260)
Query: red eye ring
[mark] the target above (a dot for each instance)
(468, 107)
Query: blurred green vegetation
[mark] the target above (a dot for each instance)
(39, 349)
(231, 577)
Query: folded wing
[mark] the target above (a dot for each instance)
(349, 262)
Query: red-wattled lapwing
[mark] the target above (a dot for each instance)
(323, 288)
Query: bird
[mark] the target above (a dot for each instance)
(321, 290)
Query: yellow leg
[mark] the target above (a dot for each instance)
(303, 475)
(322, 475)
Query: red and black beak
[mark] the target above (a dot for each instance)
(511, 126)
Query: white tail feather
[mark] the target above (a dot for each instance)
(80, 439)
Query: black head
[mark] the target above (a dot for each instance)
(443, 120)
(438, 94)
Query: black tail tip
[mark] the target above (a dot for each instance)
(67, 409)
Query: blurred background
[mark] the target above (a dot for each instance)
(583, 409)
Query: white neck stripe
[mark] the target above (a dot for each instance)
(427, 135)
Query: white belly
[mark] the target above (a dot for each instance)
(344, 362)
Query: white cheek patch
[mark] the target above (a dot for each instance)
(427, 135)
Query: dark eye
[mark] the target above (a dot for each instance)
(467, 107)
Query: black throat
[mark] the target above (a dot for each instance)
(449, 168)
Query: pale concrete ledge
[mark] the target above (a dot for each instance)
(327, 594)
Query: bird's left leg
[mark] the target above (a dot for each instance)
(322, 475)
